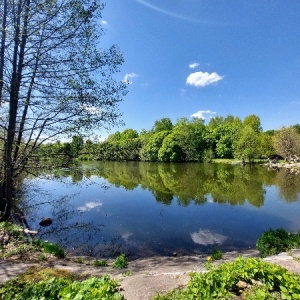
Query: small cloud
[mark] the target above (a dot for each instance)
(127, 76)
(201, 114)
(88, 206)
(206, 237)
(193, 65)
(202, 79)
(103, 22)
(182, 92)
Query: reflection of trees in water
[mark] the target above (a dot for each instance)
(192, 182)
(68, 228)
(288, 185)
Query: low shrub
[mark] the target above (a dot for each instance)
(100, 263)
(50, 285)
(248, 277)
(273, 242)
(217, 254)
(121, 262)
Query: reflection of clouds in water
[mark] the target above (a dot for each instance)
(126, 235)
(88, 206)
(206, 237)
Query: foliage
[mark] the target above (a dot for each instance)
(100, 263)
(50, 284)
(164, 124)
(151, 146)
(250, 277)
(253, 122)
(273, 242)
(55, 81)
(49, 247)
(217, 254)
(185, 141)
(121, 262)
(13, 241)
(247, 145)
(287, 142)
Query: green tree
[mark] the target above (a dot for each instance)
(287, 142)
(151, 146)
(253, 121)
(247, 146)
(76, 145)
(54, 79)
(164, 124)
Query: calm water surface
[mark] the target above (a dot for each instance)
(143, 209)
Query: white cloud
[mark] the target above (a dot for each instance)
(194, 65)
(206, 237)
(202, 79)
(88, 206)
(201, 114)
(129, 75)
(103, 22)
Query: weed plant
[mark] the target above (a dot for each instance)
(49, 284)
(244, 278)
(217, 254)
(50, 248)
(121, 262)
(273, 242)
(100, 263)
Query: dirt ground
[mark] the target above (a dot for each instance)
(145, 277)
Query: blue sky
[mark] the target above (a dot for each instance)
(207, 58)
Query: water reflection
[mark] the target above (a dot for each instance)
(206, 237)
(88, 206)
(156, 208)
(193, 182)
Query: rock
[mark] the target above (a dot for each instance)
(46, 222)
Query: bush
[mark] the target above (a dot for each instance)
(120, 262)
(48, 285)
(250, 277)
(217, 254)
(275, 241)
(100, 263)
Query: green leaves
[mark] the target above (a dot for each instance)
(251, 277)
(275, 241)
(62, 289)
(121, 262)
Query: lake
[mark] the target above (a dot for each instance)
(143, 209)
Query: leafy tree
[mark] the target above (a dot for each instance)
(164, 124)
(76, 145)
(129, 134)
(253, 121)
(171, 149)
(54, 79)
(266, 145)
(151, 146)
(287, 142)
(297, 127)
(221, 136)
(247, 146)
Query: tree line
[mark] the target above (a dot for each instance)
(186, 141)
